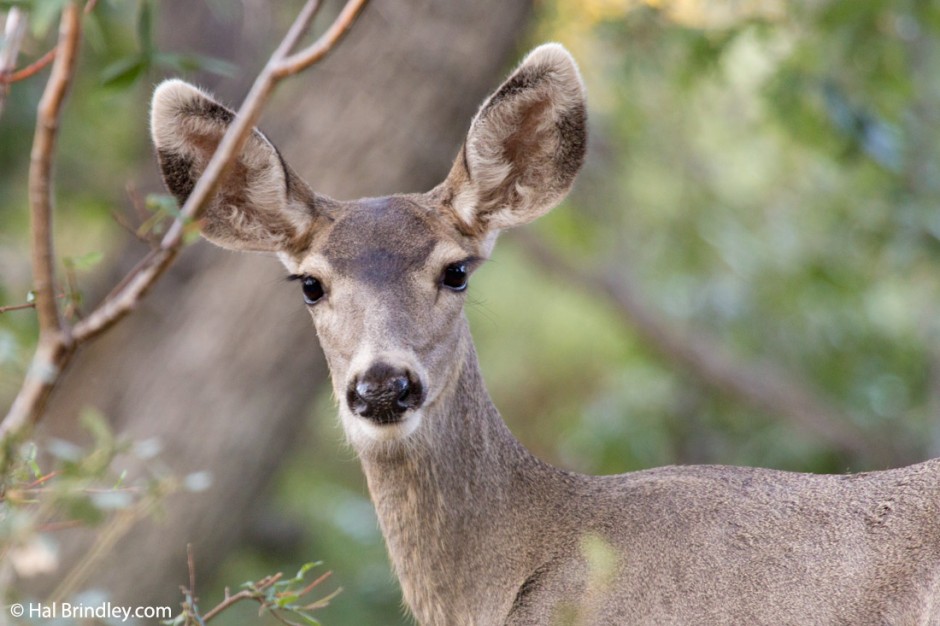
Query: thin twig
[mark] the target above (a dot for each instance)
(297, 30)
(253, 591)
(761, 384)
(25, 305)
(146, 221)
(33, 68)
(122, 221)
(313, 584)
(191, 563)
(42, 479)
(316, 51)
(244, 594)
(17, 307)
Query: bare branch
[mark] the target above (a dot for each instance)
(50, 357)
(761, 384)
(33, 68)
(316, 51)
(191, 565)
(121, 302)
(297, 30)
(56, 348)
(22, 307)
(17, 307)
(40, 170)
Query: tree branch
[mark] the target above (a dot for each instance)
(40, 170)
(33, 68)
(316, 51)
(21, 307)
(55, 347)
(122, 301)
(54, 353)
(245, 594)
(761, 384)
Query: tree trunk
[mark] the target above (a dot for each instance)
(220, 362)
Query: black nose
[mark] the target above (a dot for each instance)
(383, 393)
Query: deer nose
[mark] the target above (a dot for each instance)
(383, 393)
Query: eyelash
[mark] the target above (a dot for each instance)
(312, 288)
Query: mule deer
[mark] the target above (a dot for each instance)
(479, 530)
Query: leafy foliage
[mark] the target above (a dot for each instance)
(277, 597)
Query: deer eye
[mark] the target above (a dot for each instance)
(312, 288)
(455, 276)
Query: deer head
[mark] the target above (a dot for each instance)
(385, 278)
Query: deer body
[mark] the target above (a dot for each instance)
(482, 532)
(479, 530)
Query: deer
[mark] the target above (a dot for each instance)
(479, 531)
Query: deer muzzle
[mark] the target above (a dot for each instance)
(383, 393)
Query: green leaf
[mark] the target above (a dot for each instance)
(84, 262)
(145, 28)
(94, 33)
(96, 424)
(163, 203)
(285, 601)
(194, 62)
(123, 72)
(302, 572)
(29, 457)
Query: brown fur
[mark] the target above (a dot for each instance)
(480, 531)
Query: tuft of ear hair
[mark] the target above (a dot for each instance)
(261, 205)
(524, 146)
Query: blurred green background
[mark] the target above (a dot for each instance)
(765, 177)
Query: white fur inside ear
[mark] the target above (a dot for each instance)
(252, 208)
(525, 144)
(465, 203)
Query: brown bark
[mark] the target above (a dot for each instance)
(220, 361)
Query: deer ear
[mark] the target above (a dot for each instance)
(524, 147)
(261, 204)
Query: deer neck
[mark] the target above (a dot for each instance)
(458, 504)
